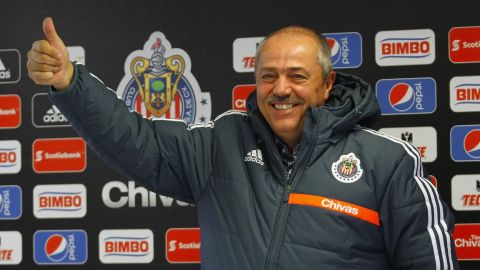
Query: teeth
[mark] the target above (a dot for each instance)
(283, 106)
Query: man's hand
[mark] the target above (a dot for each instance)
(48, 61)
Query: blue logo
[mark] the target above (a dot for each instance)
(10, 202)
(346, 49)
(60, 247)
(465, 143)
(407, 96)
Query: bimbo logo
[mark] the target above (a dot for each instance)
(158, 83)
(10, 111)
(10, 157)
(464, 44)
(465, 94)
(59, 155)
(407, 96)
(467, 241)
(10, 68)
(60, 201)
(10, 202)
(60, 247)
(240, 94)
(182, 245)
(10, 247)
(244, 50)
(126, 246)
(465, 143)
(405, 47)
(466, 192)
(346, 49)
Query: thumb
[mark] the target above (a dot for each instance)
(51, 34)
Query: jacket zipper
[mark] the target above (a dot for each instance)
(281, 220)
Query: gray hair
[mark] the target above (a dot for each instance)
(324, 57)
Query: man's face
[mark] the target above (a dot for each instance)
(289, 80)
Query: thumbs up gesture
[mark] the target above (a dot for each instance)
(48, 61)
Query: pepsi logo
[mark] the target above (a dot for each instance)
(471, 143)
(335, 50)
(402, 97)
(56, 248)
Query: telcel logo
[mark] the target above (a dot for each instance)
(423, 138)
(10, 111)
(128, 194)
(467, 241)
(405, 47)
(464, 44)
(126, 246)
(10, 202)
(465, 143)
(10, 247)
(466, 192)
(407, 96)
(10, 156)
(182, 245)
(60, 247)
(465, 94)
(240, 94)
(244, 50)
(346, 49)
(60, 201)
(59, 155)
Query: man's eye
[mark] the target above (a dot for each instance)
(299, 77)
(267, 76)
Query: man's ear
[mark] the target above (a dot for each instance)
(329, 81)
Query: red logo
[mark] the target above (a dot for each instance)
(464, 44)
(59, 155)
(182, 245)
(240, 94)
(467, 241)
(10, 111)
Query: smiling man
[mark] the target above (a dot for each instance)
(294, 183)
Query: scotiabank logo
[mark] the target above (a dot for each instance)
(465, 94)
(467, 241)
(10, 157)
(405, 47)
(244, 50)
(60, 201)
(59, 155)
(126, 246)
(464, 44)
(182, 245)
(407, 96)
(466, 192)
(423, 138)
(465, 143)
(10, 247)
(346, 49)
(10, 111)
(240, 94)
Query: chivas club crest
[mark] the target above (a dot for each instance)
(347, 169)
(158, 83)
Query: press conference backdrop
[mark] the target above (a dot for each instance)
(60, 205)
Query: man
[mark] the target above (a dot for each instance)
(295, 183)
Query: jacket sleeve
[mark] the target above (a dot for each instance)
(167, 157)
(416, 223)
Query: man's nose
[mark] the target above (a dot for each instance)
(282, 87)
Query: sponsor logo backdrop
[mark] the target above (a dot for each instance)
(59, 204)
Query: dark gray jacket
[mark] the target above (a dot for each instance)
(357, 199)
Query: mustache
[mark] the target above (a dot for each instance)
(288, 99)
